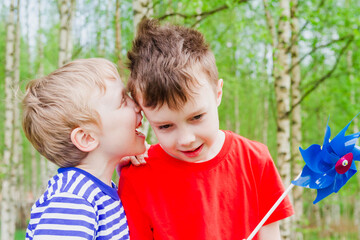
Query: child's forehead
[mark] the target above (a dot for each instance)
(171, 88)
(199, 92)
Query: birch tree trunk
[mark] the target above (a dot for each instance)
(17, 186)
(69, 40)
(296, 120)
(353, 92)
(99, 30)
(141, 8)
(118, 37)
(7, 205)
(282, 92)
(39, 43)
(266, 98)
(274, 41)
(118, 33)
(33, 174)
(40, 72)
(280, 43)
(355, 123)
(65, 10)
(28, 200)
(335, 214)
(109, 7)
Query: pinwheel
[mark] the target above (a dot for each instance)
(330, 166)
(327, 168)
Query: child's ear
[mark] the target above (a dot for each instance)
(219, 91)
(84, 140)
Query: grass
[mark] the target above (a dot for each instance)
(20, 234)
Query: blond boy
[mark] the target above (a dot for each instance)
(80, 118)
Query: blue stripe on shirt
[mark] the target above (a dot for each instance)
(65, 201)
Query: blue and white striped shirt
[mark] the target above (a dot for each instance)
(77, 205)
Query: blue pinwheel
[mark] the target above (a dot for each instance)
(327, 168)
(330, 166)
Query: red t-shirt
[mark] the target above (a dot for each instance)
(223, 198)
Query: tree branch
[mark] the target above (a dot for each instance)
(323, 78)
(201, 15)
(319, 47)
(303, 28)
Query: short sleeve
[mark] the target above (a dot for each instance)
(64, 216)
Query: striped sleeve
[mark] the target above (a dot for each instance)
(64, 216)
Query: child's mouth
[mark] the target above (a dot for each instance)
(139, 133)
(193, 153)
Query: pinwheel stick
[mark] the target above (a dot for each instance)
(261, 223)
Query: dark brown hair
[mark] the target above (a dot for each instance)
(163, 61)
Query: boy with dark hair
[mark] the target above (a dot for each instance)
(199, 182)
(80, 118)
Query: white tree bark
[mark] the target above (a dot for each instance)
(65, 42)
(282, 92)
(69, 40)
(266, 96)
(141, 9)
(118, 29)
(355, 129)
(118, 37)
(296, 120)
(109, 7)
(7, 205)
(17, 170)
(99, 29)
(39, 43)
(34, 182)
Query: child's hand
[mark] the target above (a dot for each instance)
(135, 160)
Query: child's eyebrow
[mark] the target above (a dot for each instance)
(190, 115)
(197, 112)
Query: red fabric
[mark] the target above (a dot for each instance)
(224, 198)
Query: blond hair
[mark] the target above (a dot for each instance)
(163, 62)
(56, 104)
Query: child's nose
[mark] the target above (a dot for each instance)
(186, 137)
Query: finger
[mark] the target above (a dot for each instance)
(134, 160)
(141, 159)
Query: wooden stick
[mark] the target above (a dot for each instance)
(261, 223)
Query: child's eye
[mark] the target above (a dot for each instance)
(197, 117)
(163, 127)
